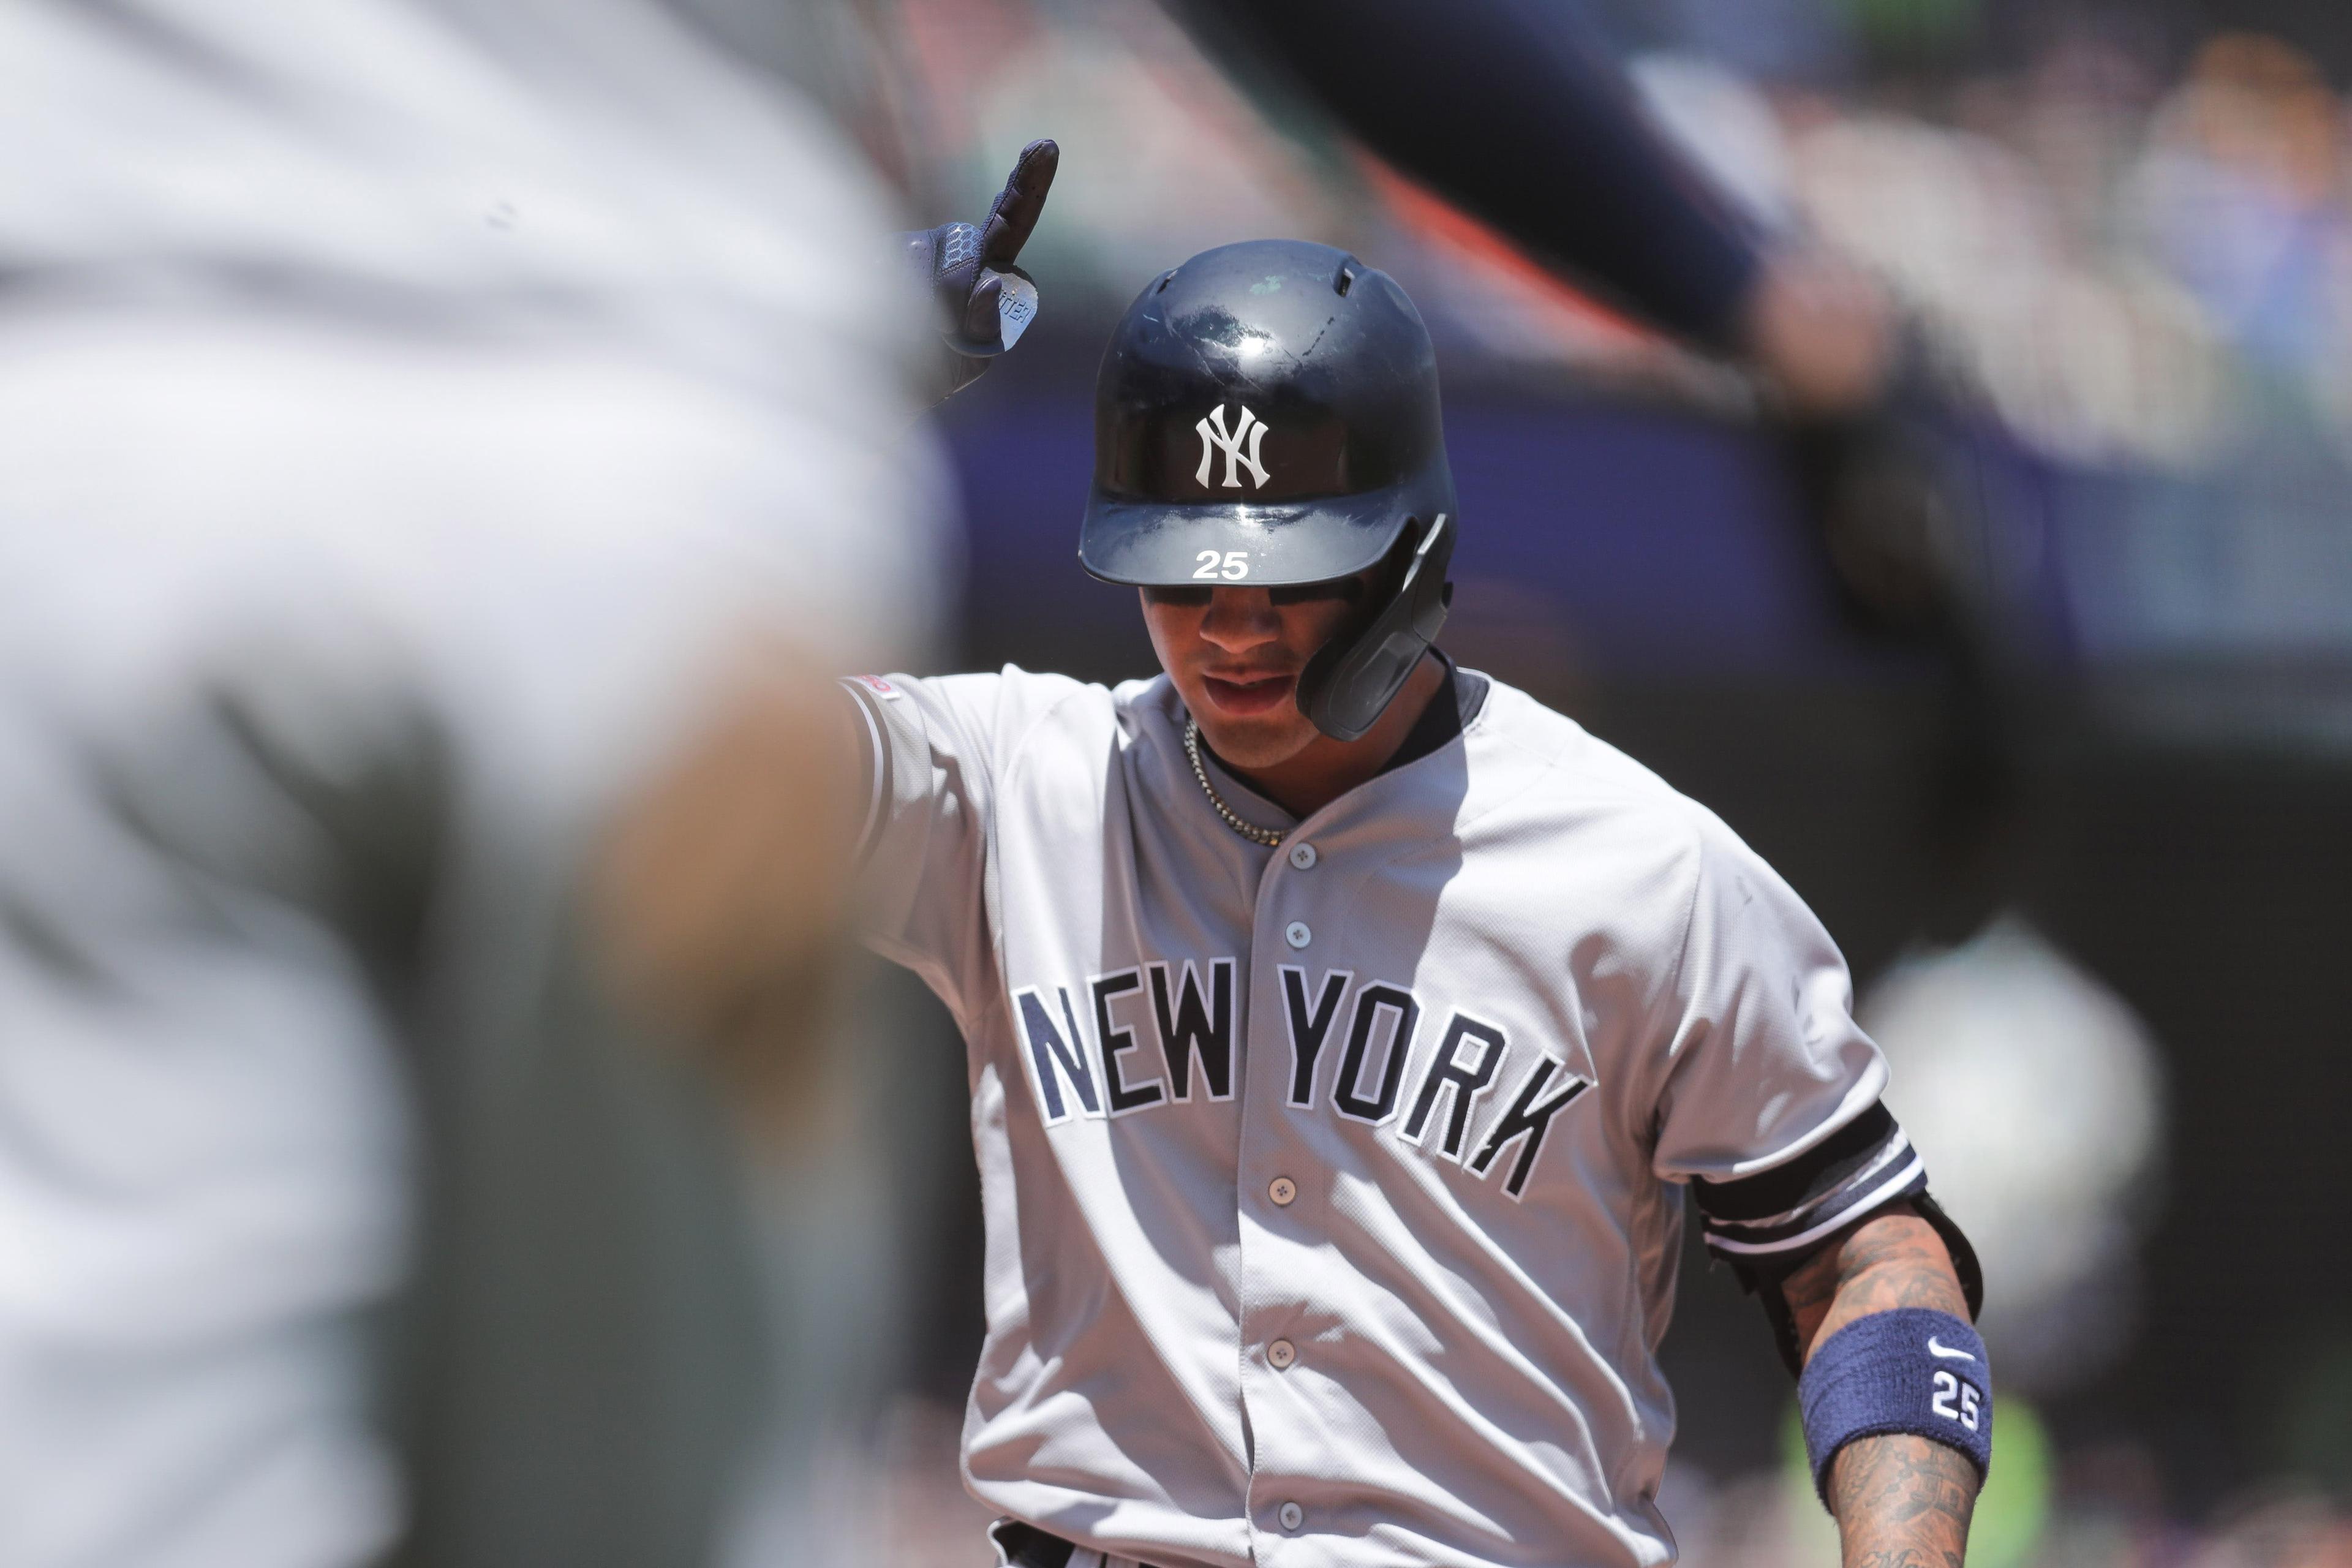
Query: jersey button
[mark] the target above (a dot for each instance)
(1282, 1189)
(1280, 1354)
(1303, 857)
(1297, 935)
(1291, 1515)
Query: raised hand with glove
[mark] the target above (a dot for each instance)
(983, 301)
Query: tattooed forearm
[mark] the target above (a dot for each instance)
(1901, 1502)
(1895, 1259)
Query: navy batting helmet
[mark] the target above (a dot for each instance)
(1266, 415)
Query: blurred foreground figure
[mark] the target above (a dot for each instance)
(1519, 119)
(413, 420)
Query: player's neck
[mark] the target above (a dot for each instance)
(1328, 769)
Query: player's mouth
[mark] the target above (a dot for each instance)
(1249, 694)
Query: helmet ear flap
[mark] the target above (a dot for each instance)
(1353, 677)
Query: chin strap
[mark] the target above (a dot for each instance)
(1351, 680)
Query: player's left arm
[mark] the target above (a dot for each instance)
(1821, 1206)
(1901, 1501)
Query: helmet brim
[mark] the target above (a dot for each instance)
(1162, 544)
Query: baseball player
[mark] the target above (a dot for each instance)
(1345, 1027)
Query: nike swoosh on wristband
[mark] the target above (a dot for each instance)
(1946, 1352)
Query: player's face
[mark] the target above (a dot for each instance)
(1234, 654)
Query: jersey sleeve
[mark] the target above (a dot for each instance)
(935, 748)
(1769, 1104)
(923, 849)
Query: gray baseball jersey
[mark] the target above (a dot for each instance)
(1333, 1190)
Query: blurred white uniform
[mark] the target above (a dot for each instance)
(401, 405)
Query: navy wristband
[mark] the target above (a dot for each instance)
(1911, 1370)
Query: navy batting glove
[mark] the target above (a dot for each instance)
(983, 301)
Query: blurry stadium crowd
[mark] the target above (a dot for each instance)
(2139, 246)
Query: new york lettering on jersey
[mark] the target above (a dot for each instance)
(1075, 1056)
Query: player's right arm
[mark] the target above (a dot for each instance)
(723, 892)
(980, 302)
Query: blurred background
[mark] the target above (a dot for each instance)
(2085, 839)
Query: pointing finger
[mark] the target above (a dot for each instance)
(1014, 215)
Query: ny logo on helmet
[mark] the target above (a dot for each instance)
(1213, 440)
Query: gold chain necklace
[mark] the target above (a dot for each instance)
(1266, 835)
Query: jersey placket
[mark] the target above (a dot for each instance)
(1282, 1193)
